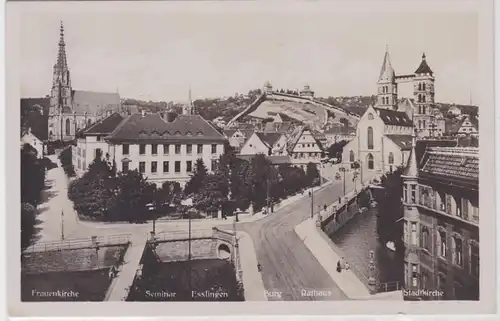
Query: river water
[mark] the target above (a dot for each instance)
(358, 237)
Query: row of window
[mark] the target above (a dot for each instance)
(455, 205)
(385, 89)
(457, 248)
(306, 155)
(166, 149)
(166, 166)
(385, 100)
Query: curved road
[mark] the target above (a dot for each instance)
(287, 265)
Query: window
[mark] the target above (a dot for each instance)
(189, 166)
(441, 243)
(457, 251)
(458, 203)
(154, 167)
(414, 234)
(166, 168)
(405, 232)
(154, 149)
(79, 163)
(414, 275)
(413, 193)
(214, 165)
(166, 149)
(391, 158)
(125, 149)
(214, 148)
(419, 124)
(84, 165)
(474, 258)
(97, 153)
(370, 161)
(98, 138)
(177, 148)
(189, 149)
(423, 98)
(424, 238)
(423, 121)
(351, 156)
(177, 166)
(142, 167)
(68, 127)
(370, 116)
(405, 193)
(124, 166)
(199, 148)
(448, 204)
(370, 137)
(142, 149)
(423, 86)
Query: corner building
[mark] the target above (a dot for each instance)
(441, 222)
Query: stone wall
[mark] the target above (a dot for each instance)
(178, 250)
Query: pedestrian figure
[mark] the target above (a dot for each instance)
(259, 267)
(342, 263)
(346, 266)
(324, 207)
(339, 199)
(339, 269)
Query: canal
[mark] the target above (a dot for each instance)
(357, 237)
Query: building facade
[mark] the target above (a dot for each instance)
(441, 224)
(72, 110)
(304, 148)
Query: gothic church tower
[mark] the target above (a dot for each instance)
(61, 92)
(423, 89)
(387, 93)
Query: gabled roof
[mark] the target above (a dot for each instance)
(104, 126)
(269, 139)
(452, 164)
(393, 117)
(229, 132)
(424, 67)
(295, 137)
(404, 142)
(153, 128)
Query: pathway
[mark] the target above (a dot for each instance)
(119, 289)
(252, 280)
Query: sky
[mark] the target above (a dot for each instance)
(158, 52)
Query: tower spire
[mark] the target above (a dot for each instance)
(411, 169)
(62, 63)
(387, 72)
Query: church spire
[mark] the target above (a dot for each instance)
(188, 108)
(62, 63)
(387, 73)
(411, 169)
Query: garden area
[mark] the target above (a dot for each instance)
(103, 194)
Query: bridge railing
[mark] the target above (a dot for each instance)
(78, 243)
(389, 286)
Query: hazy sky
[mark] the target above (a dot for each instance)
(156, 52)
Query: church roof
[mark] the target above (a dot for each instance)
(402, 141)
(153, 128)
(393, 117)
(424, 67)
(95, 103)
(104, 126)
(387, 72)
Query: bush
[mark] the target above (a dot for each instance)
(28, 221)
(66, 159)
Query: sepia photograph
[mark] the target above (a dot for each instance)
(252, 152)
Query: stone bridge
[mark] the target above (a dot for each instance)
(215, 244)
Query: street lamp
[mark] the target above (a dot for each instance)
(62, 225)
(343, 169)
(152, 207)
(371, 269)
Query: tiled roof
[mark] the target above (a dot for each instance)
(424, 67)
(104, 126)
(95, 102)
(269, 138)
(295, 136)
(403, 141)
(229, 132)
(393, 117)
(340, 130)
(153, 128)
(452, 163)
(278, 127)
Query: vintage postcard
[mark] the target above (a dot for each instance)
(247, 153)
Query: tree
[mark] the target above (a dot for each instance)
(261, 179)
(32, 176)
(335, 149)
(312, 174)
(28, 220)
(390, 208)
(196, 182)
(212, 196)
(66, 161)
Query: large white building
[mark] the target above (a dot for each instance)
(162, 149)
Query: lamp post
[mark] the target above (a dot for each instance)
(311, 192)
(152, 207)
(342, 169)
(62, 225)
(371, 269)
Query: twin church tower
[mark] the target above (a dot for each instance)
(423, 94)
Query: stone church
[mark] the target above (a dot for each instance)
(72, 110)
(384, 132)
